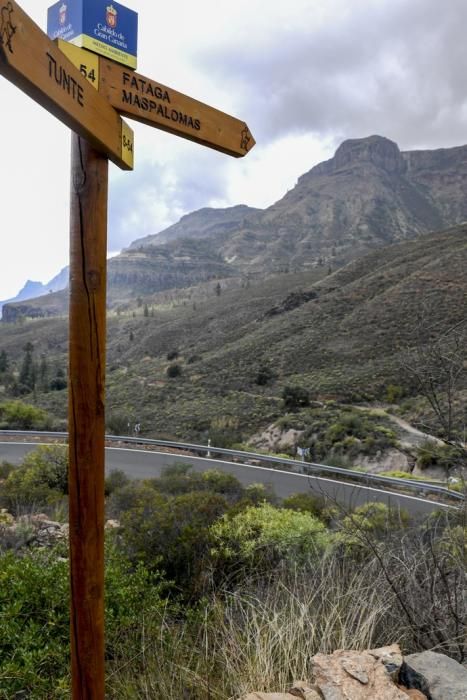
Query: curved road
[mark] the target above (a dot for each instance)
(144, 464)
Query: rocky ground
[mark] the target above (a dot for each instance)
(378, 674)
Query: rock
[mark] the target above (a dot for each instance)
(413, 693)
(305, 691)
(112, 524)
(41, 521)
(391, 658)
(300, 689)
(436, 675)
(358, 675)
(269, 696)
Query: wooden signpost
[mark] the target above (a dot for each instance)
(154, 104)
(89, 93)
(33, 62)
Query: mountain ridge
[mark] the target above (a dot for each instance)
(369, 195)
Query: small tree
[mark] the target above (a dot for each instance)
(174, 371)
(27, 375)
(3, 361)
(295, 397)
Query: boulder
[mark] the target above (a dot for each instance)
(359, 675)
(436, 675)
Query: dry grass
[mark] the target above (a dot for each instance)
(263, 635)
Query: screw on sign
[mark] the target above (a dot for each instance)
(88, 93)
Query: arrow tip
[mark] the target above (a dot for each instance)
(246, 141)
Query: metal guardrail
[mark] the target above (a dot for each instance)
(295, 465)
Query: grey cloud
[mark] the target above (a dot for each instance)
(172, 190)
(395, 68)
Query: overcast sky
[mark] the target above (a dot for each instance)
(304, 75)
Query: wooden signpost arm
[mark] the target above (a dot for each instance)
(34, 63)
(87, 322)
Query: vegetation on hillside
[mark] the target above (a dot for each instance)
(199, 365)
(213, 589)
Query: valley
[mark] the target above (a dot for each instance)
(207, 332)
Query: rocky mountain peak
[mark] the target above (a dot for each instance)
(377, 150)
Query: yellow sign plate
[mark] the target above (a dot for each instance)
(32, 61)
(86, 62)
(88, 65)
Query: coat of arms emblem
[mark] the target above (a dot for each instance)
(62, 14)
(111, 16)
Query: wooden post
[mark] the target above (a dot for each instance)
(88, 245)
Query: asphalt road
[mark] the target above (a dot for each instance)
(143, 464)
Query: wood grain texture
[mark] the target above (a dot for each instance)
(33, 62)
(88, 247)
(157, 105)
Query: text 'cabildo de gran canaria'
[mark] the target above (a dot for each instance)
(149, 97)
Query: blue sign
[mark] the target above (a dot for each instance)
(102, 26)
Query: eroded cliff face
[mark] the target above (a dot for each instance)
(369, 195)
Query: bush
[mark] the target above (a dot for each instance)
(265, 535)
(16, 415)
(117, 479)
(172, 531)
(264, 376)
(305, 503)
(394, 393)
(295, 397)
(117, 423)
(224, 431)
(402, 475)
(174, 370)
(40, 481)
(446, 457)
(370, 522)
(179, 479)
(34, 609)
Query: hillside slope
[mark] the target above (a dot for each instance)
(339, 336)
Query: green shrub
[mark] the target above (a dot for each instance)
(447, 457)
(402, 475)
(174, 370)
(117, 479)
(40, 481)
(117, 423)
(370, 522)
(295, 397)
(338, 435)
(305, 503)
(265, 534)
(174, 531)
(5, 469)
(264, 376)
(34, 610)
(16, 415)
(394, 393)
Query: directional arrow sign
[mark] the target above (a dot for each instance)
(154, 104)
(30, 60)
